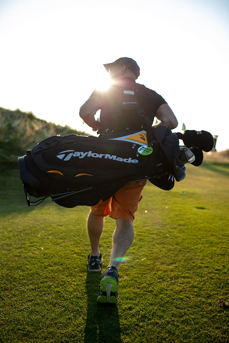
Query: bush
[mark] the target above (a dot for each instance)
(20, 131)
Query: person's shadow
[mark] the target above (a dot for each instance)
(102, 324)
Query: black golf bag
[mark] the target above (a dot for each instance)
(79, 170)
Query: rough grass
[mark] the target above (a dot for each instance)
(169, 288)
(20, 131)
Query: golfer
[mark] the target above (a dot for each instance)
(124, 203)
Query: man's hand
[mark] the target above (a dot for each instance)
(96, 125)
(166, 116)
(88, 111)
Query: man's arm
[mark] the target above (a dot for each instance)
(88, 111)
(166, 116)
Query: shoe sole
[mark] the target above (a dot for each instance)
(108, 286)
(95, 270)
(102, 299)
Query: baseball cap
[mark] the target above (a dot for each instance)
(128, 62)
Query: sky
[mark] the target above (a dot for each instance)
(52, 54)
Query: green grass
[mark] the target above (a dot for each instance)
(168, 290)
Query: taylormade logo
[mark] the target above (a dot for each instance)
(68, 154)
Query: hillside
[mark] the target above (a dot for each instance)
(217, 156)
(20, 131)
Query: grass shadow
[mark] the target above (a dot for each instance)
(12, 196)
(102, 324)
(221, 168)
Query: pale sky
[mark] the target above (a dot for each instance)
(52, 54)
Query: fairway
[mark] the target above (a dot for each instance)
(177, 268)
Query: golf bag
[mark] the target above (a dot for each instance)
(79, 170)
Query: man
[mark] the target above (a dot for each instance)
(124, 203)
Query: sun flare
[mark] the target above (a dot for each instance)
(103, 82)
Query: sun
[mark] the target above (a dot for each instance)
(102, 84)
(102, 80)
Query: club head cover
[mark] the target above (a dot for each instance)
(198, 156)
(199, 139)
(165, 182)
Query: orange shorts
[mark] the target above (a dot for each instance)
(123, 204)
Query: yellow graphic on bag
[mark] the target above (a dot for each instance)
(83, 174)
(138, 137)
(54, 172)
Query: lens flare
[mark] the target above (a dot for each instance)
(121, 259)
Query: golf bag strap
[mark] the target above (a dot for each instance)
(147, 122)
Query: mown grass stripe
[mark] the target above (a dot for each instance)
(177, 268)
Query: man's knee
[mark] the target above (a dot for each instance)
(124, 228)
(124, 224)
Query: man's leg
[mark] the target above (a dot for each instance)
(122, 239)
(124, 205)
(95, 229)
